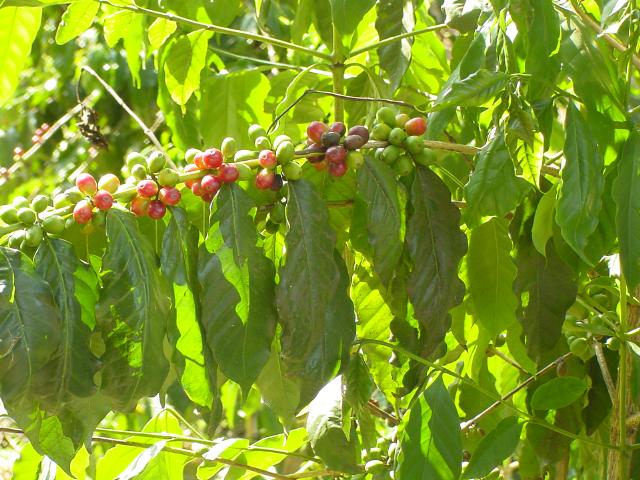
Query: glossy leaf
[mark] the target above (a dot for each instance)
(436, 246)
(542, 228)
(474, 90)
(494, 448)
(346, 14)
(77, 18)
(580, 193)
(160, 31)
(185, 60)
(491, 273)
(542, 61)
(133, 311)
(558, 393)
(379, 190)
(395, 17)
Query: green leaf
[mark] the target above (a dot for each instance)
(159, 31)
(462, 14)
(541, 60)
(358, 383)
(431, 442)
(493, 187)
(395, 17)
(128, 26)
(542, 229)
(280, 393)
(494, 448)
(226, 449)
(558, 393)
(185, 60)
(238, 290)
(18, 29)
(378, 187)
(316, 313)
(580, 193)
(436, 246)
(133, 311)
(77, 18)
(491, 272)
(347, 14)
(626, 193)
(325, 427)
(474, 90)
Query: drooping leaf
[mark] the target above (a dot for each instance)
(494, 448)
(315, 311)
(379, 189)
(430, 442)
(542, 61)
(542, 229)
(77, 18)
(238, 289)
(494, 188)
(346, 14)
(325, 427)
(474, 90)
(491, 272)
(558, 393)
(626, 193)
(395, 17)
(128, 26)
(436, 246)
(159, 31)
(18, 29)
(185, 60)
(580, 193)
(462, 14)
(133, 312)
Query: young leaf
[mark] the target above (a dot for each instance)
(558, 393)
(436, 246)
(128, 26)
(316, 313)
(474, 90)
(430, 442)
(542, 229)
(580, 193)
(185, 60)
(18, 29)
(626, 192)
(494, 448)
(238, 290)
(133, 311)
(77, 18)
(159, 31)
(491, 273)
(379, 189)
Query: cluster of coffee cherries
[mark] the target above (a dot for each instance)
(335, 148)
(28, 216)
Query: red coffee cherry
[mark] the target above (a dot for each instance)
(210, 184)
(82, 212)
(415, 126)
(212, 158)
(267, 159)
(265, 179)
(147, 188)
(228, 173)
(337, 169)
(86, 184)
(336, 154)
(156, 209)
(169, 195)
(139, 206)
(315, 131)
(103, 200)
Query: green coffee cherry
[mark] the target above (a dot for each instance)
(401, 119)
(426, 158)
(414, 145)
(33, 236)
(374, 466)
(276, 215)
(156, 162)
(354, 160)
(9, 214)
(386, 115)
(16, 239)
(380, 131)
(613, 343)
(135, 158)
(403, 166)
(27, 216)
(139, 172)
(126, 196)
(256, 131)
(60, 200)
(279, 139)
(20, 202)
(229, 147)
(397, 136)
(168, 177)
(271, 227)
(53, 224)
(579, 346)
(191, 154)
(74, 195)
(378, 153)
(391, 153)
(40, 203)
(292, 170)
(263, 143)
(99, 219)
(244, 172)
(244, 155)
(285, 152)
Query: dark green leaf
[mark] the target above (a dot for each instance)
(474, 90)
(494, 448)
(436, 245)
(133, 312)
(431, 443)
(378, 187)
(347, 14)
(542, 61)
(358, 382)
(238, 289)
(580, 194)
(395, 17)
(462, 14)
(558, 393)
(316, 313)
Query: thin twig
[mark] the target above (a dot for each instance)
(147, 131)
(316, 474)
(606, 374)
(378, 412)
(397, 38)
(509, 360)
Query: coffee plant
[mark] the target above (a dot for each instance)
(290, 239)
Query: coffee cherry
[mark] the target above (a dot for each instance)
(229, 147)
(169, 195)
(315, 148)
(361, 131)
(109, 183)
(265, 179)
(103, 200)
(82, 212)
(380, 131)
(285, 152)
(374, 466)
(9, 214)
(329, 139)
(245, 172)
(414, 145)
(263, 143)
(135, 158)
(156, 209)
(579, 346)
(99, 219)
(156, 162)
(277, 183)
(168, 177)
(27, 216)
(243, 155)
(210, 184)
(36, 139)
(198, 161)
(212, 158)
(256, 131)
(292, 170)
(337, 169)
(61, 200)
(267, 159)
(315, 131)
(208, 197)
(139, 206)
(147, 188)
(16, 239)
(353, 142)
(53, 224)
(228, 173)
(321, 165)
(190, 169)
(74, 195)
(33, 236)
(391, 153)
(86, 184)
(416, 126)
(40, 203)
(338, 127)
(281, 139)
(190, 155)
(401, 119)
(45, 128)
(397, 136)
(336, 154)
(386, 115)
(139, 172)
(355, 160)
(20, 202)
(197, 189)
(403, 166)
(426, 158)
